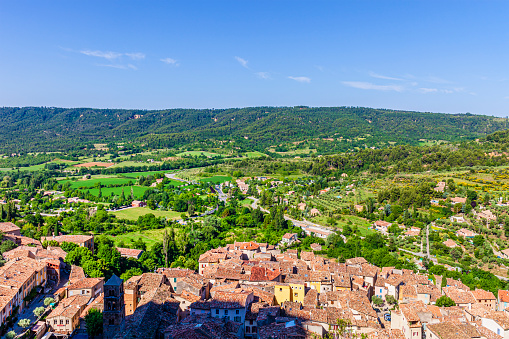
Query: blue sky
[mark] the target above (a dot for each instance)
(439, 56)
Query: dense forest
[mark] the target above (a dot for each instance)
(51, 129)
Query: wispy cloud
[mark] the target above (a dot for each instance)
(369, 85)
(109, 55)
(301, 79)
(101, 54)
(263, 75)
(136, 56)
(242, 62)
(428, 90)
(379, 76)
(170, 61)
(118, 66)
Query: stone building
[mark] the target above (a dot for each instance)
(114, 307)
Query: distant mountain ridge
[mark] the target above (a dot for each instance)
(46, 129)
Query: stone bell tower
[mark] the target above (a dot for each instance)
(114, 307)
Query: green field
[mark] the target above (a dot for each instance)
(103, 181)
(135, 164)
(246, 202)
(150, 237)
(255, 154)
(145, 174)
(217, 179)
(199, 153)
(137, 191)
(135, 212)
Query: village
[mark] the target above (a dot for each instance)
(245, 290)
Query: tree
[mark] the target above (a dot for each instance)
(391, 300)
(377, 300)
(24, 323)
(7, 246)
(131, 273)
(68, 246)
(445, 301)
(39, 311)
(48, 301)
(94, 321)
(456, 253)
(10, 335)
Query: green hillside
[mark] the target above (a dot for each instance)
(42, 128)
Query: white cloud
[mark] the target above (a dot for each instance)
(301, 79)
(428, 90)
(241, 61)
(136, 56)
(101, 54)
(117, 66)
(379, 76)
(263, 75)
(170, 61)
(368, 85)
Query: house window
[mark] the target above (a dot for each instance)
(250, 322)
(498, 331)
(225, 312)
(248, 329)
(237, 312)
(254, 329)
(237, 319)
(112, 322)
(280, 290)
(217, 311)
(61, 322)
(67, 322)
(54, 322)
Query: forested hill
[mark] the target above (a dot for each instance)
(42, 128)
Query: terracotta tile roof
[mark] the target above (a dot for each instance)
(488, 334)
(458, 284)
(150, 281)
(311, 298)
(408, 291)
(247, 246)
(356, 261)
(459, 296)
(451, 330)
(450, 243)
(289, 235)
(501, 319)
(195, 327)
(85, 283)
(77, 239)
(283, 331)
(156, 311)
(261, 295)
(503, 296)
(69, 307)
(234, 299)
(480, 294)
(175, 272)
(130, 252)
(7, 227)
(479, 310)
(76, 274)
(263, 274)
(307, 256)
(189, 296)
